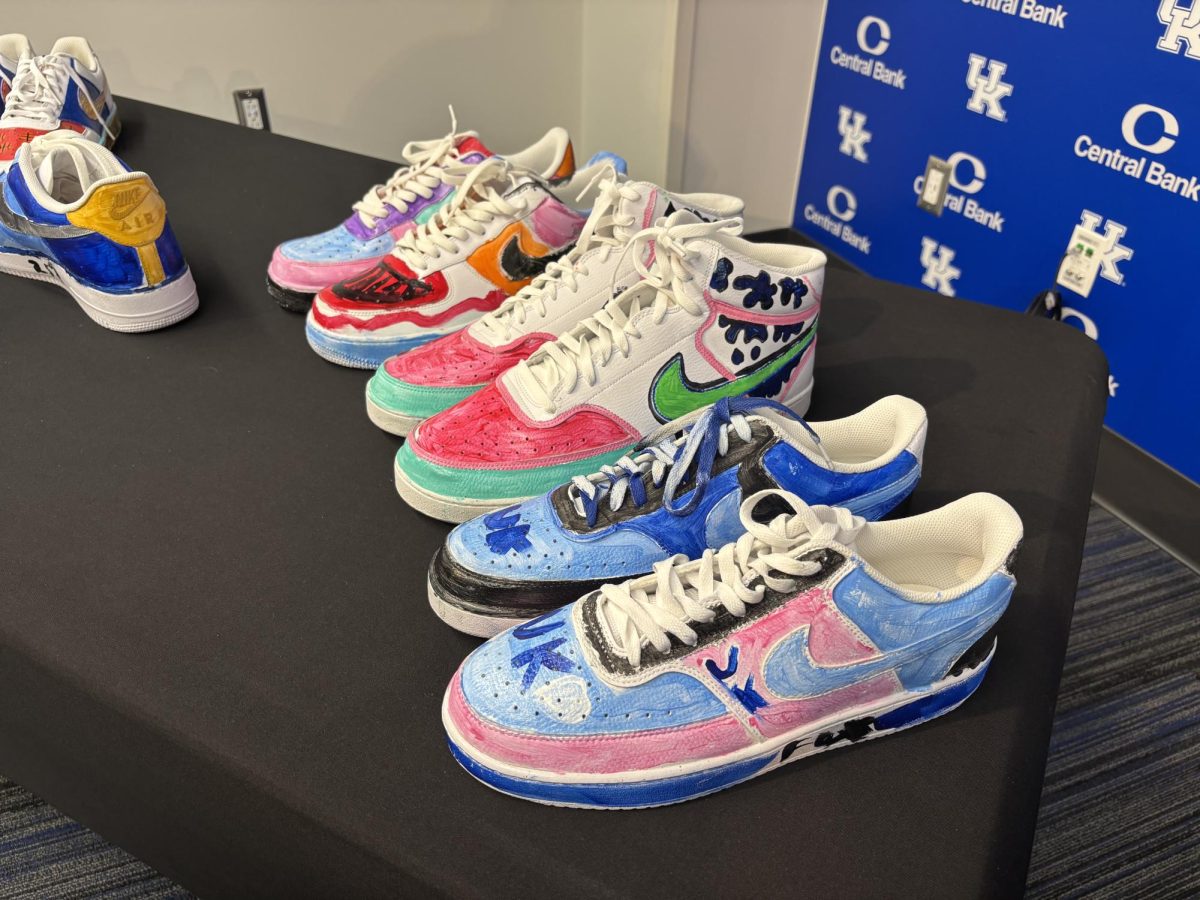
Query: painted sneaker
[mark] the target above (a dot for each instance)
(12, 48)
(813, 630)
(415, 385)
(501, 229)
(66, 89)
(305, 266)
(680, 495)
(72, 214)
(715, 316)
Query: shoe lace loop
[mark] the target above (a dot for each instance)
(428, 164)
(478, 200)
(578, 354)
(648, 612)
(605, 228)
(686, 447)
(39, 89)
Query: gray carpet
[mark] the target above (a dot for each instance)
(1119, 815)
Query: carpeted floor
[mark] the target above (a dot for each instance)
(1120, 806)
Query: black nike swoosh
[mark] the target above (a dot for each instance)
(520, 266)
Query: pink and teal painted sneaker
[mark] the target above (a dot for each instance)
(813, 630)
(415, 385)
(305, 266)
(714, 316)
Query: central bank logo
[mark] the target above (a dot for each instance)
(842, 206)
(1168, 131)
(939, 273)
(970, 182)
(1183, 27)
(987, 90)
(874, 36)
(841, 202)
(1113, 250)
(852, 128)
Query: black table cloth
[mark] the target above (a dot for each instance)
(215, 643)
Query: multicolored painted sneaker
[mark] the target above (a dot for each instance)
(714, 316)
(680, 495)
(12, 48)
(67, 89)
(812, 631)
(305, 266)
(72, 214)
(501, 229)
(413, 386)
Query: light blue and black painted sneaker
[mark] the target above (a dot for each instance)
(679, 494)
(73, 214)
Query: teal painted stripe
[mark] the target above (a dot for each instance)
(495, 484)
(415, 400)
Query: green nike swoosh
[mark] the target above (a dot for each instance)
(673, 394)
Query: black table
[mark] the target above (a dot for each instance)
(215, 646)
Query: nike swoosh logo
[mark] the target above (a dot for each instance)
(790, 673)
(673, 394)
(520, 266)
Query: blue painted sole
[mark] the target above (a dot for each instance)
(637, 794)
(358, 354)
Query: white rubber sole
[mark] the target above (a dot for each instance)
(391, 422)
(146, 310)
(669, 784)
(467, 622)
(443, 508)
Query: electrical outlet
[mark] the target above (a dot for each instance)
(252, 108)
(1081, 262)
(933, 187)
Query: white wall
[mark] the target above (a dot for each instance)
(364, 75)
(748, 93)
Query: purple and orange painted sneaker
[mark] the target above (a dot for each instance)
(414, 386)
(500, 230)
(713, 316)
(813, 630)
(303, 267)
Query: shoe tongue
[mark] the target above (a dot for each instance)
(469, 143)
(64, 173)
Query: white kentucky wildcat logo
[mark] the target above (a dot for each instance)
(939, 274)
(1114, 251)
(851, 126)
(987, 91)
(566, 697)
(1183, 27)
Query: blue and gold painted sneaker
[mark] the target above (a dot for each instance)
(73, 214)
(814, 630)
(678, 496)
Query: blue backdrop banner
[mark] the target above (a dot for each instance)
(1040, 118)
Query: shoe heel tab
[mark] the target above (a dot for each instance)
(127, 210)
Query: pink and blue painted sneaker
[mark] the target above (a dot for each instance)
(713, 316)
(502, 228)
(815, 629)
(680, 495)
(303, 267)
(65, 89)
(415, 385)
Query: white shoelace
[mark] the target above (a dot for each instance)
(683, 591)
(429, 165)
(614, 480)
(564, 362)
(478, 200)
(605, 228)
(39, 90)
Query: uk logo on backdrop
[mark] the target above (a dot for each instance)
(987, 90)
(1183, 27)
(852, 128)
(1113, 251)
(939, 273)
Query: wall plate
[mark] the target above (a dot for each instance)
(1081, 263)
(933, 188)
(252, 108)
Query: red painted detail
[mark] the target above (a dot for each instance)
(459, 360)
(391, 314)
